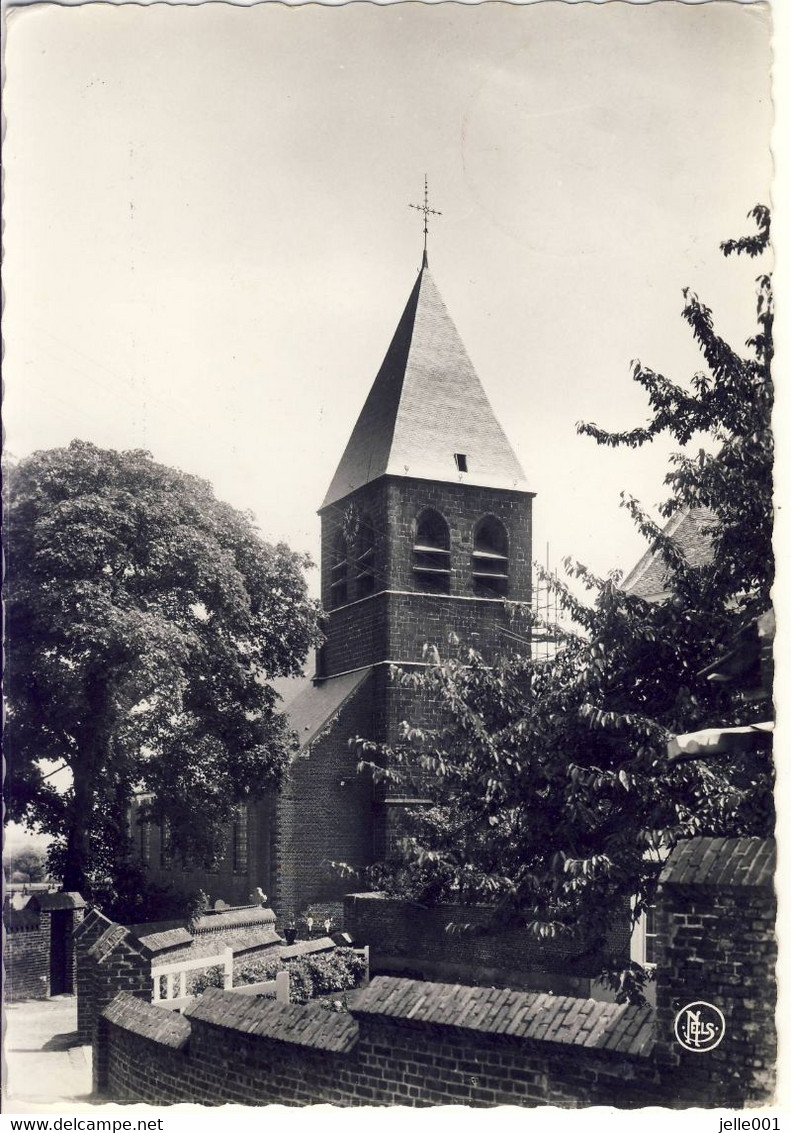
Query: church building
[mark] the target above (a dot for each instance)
(425, 540)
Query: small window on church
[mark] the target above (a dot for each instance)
(461, 461)
(339, 571)
(650, 935)
(431, 553)
(239, 840)
(145, 843)
(366, 558)
(490, 559)
(643, 945)
(164, 845)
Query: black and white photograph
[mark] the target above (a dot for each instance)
(389, 593)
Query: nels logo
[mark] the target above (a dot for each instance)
(699, 1027)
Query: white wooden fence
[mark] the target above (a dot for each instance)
(365, 952)
(174, 977)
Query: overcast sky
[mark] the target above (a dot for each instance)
(209, 244)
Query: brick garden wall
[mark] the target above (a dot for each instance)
(115, 962)
(414, 939)
(416, 1043)
(403, 1043)
(92, 928)
(716, 941)
(26, 959)
(112, 958)
(27, 944)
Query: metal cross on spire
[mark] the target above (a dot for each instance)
(427, 212)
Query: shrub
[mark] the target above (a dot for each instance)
(301, 985)
(256, 971)
(340, 1006)
(309, 976)
(197, 982)
(336, 971)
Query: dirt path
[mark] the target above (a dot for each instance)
(43, 1064)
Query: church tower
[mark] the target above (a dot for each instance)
(426, 526)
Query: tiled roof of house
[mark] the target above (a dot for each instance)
(316, 705)
(525, 1015)
(425, 405)
(724, 862)
(648, 579)
(309, 1026)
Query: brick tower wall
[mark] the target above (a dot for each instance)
(395, 622)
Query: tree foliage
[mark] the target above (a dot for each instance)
(553, 797)
(144, 620)
(27, 866)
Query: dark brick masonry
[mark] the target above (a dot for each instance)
(715, 929)
(395, 622)
(38, 950)
(414, 1043)
(413, 939)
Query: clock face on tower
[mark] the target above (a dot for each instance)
(350, 522)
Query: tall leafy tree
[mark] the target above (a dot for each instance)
(145, 620)
(553, 796)
(26, 866)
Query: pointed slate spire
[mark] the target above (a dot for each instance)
(426, 406)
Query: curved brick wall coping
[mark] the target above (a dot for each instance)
(287, 1023)
(722, 862)
(523, 1015)
(131, 1014)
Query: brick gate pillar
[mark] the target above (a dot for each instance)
(716, 943)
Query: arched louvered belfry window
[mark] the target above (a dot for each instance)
(490, 559)
(366, 558)
(339, 571)
(431, 553)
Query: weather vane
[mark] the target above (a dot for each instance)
(427, 212)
